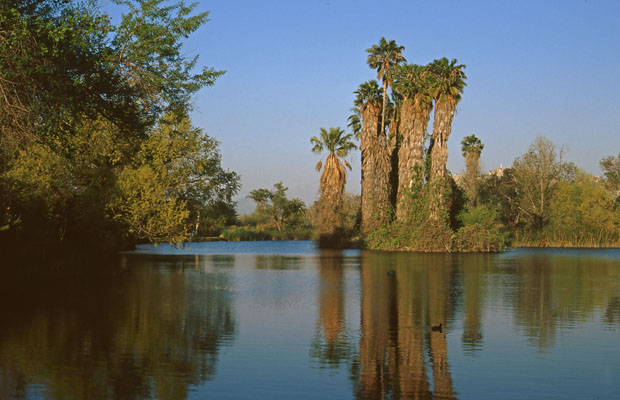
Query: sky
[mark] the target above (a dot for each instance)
(541, 67)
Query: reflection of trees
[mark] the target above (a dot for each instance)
(397, 312)
(330, 345)
(474, 268)
(274, 262)
(556, 291)
(151, 331)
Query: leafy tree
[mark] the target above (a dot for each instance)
(334, 177)
(582, 214)
(176, 174)
(471, 147)
(535, 176)
(611, 170)
(80, 97)
(277, 206)
(147, 51)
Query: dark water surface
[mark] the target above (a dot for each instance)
(283, 320)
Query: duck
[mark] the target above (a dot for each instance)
(437, 328)
(392, 273)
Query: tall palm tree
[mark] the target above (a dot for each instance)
(334, 177)
(412, 83)
(471, 147)
(368, 103)
(383, 57)
(446, 89)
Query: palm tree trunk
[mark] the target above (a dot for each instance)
(414, 121)
(370, 125)
(383, 167)
(471, 176)
(442, 126)
(333, 180)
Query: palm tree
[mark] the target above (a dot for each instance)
(383, 57)
(471, 147)
(446, 89)
(334, 177)
(412, 83)
(368, 104)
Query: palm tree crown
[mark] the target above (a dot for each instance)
(412, 80)
(471, 144)
(336, 142)
(449, 80)
(383, 57)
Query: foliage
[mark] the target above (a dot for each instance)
(481, 231)
(535, 176)
(611, 170)
(276, 209)
(85, 153)
(583, 214)
(471, 144)
(333, 177)
(176, 173)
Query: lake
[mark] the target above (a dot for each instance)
(284, 320)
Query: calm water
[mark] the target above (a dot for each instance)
(284, 320)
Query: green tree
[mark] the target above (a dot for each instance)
(446, 89)
(176, 173)
(535, 176)
(334, 176)
(581, 213)
(147, 51)
(611, 170)
(80, 98)
(471, 147)
(274, 203)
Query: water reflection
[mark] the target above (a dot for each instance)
(553, 293)
(154, 326)
(330, 344)
(398, 313)
(115, 334)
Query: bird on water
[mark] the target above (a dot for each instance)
(437, 328)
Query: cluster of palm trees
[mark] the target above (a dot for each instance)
(391, 121)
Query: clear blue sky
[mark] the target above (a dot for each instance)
(541, 67)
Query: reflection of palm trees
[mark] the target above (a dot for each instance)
(473, 268)
(396, 316)
(149, 333)
(331, 346)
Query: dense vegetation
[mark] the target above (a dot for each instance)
(97, 148)
(96, 144)
(411, 201)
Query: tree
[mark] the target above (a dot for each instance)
(375, 157)
(383, 57)
(471, 148)
(334, 177)
(412, 83)
(276, 205)
(86, 96)
(446, 89)
(177, 174)
(611, 170)
(535, 176)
